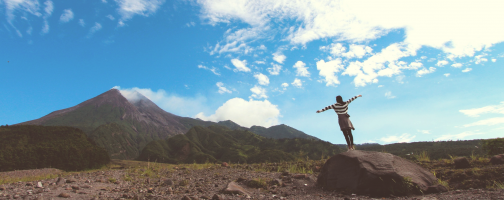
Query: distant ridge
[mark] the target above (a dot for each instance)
(123, 127)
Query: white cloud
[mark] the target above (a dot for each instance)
(262, 79)
(222, 89)
(457, 136)
(405, 137)
(25, 6)
(279, 57)
(476, 112)
(301, 69)
(357, 51)
(236, 41)
(424, 131)
(82, 23)
(111, 17)
(189, 24)
(275, 69)
(479, 59)
(494, 60)
(128, 8)
(285, 85)
(448, 26)
(66, 16)
(467, 69)
(424, 71)
(240, 65)
(442, 63)
(447, 74)
(487, 122)
(380, 86)
(297, 83)
(245, 113)
(213, 69)
(49, 7)
(329, 69)
(45, 27)
(260, 62)
(368, 71)
(173, 103)
(95, 28)
(457, 65)
(354, 51)
(258, 92)
(389, 95)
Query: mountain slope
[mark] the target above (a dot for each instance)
(122, 127)
(219, 143)
(32, 147)
(280, 131)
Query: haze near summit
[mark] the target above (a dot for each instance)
(430, 70)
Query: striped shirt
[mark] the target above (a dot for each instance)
(339, 108)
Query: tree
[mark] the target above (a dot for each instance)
(494, 146)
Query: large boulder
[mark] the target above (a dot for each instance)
(497, 159)
(376, 173)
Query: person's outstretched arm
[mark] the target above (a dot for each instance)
(353, 98)
(326, 108)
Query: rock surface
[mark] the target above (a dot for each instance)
(497, 159)
(461, 163)
(374, 173)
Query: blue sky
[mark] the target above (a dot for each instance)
(427, 70)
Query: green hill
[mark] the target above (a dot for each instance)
(279, 132)
(32, 147)
(435, 150)
(221, 144)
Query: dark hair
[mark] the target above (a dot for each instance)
(339, 99)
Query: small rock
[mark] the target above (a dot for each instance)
(225, 164)
(234, 188)
(169, 190)
(285, 173)
(71, 180)
(2, 188)
(216, 197)
(87, 186)
(82, 192)
(150, 190)
(240, 179)
(29, 184)
(39, 185)
(60, 181)
(87, 181)
(300, 176)
(168, 182)
(497, 159)
(216, 185)
(68, 188)
(16, 196)
(64, 195)
(186, 198)
(205, 197)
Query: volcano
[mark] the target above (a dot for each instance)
(123, 127)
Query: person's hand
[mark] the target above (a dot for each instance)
(360, 95)
(318, 111)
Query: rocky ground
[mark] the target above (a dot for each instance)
(197, 182)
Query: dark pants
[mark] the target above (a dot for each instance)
(348, 136)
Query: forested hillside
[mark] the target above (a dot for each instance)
(219, 143)
(32, 147)
(435, 150)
